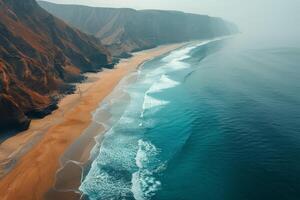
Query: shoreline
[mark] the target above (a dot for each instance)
(39, 149)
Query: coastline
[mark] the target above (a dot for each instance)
(39, 149)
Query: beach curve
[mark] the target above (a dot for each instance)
(39, 149)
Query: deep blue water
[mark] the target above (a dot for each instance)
(215, 121)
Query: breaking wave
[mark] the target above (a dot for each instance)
(144, 182)
(164, 83)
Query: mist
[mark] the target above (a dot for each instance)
(269, 21)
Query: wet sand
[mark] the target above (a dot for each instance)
(29, 161)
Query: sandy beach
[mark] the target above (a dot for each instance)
(30, 160)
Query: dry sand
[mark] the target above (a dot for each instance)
(29, 160)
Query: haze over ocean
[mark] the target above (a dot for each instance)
(150, 99)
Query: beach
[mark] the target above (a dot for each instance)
(31, 158)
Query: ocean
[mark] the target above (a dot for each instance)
(213, 120)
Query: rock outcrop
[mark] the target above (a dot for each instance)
(40, 56)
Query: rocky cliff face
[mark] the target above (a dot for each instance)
(39, 56)
(127, 30)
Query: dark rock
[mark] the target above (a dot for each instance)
(39, 113)
(11, 117)
(40, 56)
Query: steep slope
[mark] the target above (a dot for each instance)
(127, 30)
(39, 56)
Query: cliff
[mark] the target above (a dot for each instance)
(40, 56)
(127, 30)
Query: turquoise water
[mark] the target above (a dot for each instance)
(214, 120)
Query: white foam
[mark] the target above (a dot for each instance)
(178, 55)
(182, 54)
(164, 83)
(145, 150)
(103, 180)
(174, 61)
(154, 73)
(103, 185)
(136, 188)
(151, 102)
(144, 184)
(176, 65)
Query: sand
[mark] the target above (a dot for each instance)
(30, 160)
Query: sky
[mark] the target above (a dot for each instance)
(281, 18)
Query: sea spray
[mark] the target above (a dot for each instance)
(144, 182)
(164, 83)
(151, 102)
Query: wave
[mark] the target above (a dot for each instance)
(164, 83)
(182, 54)
(172, 62)
(144, 183)
(115, 175)
(175, 60)
(109, 175)
(151, 103)
(179, 55)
